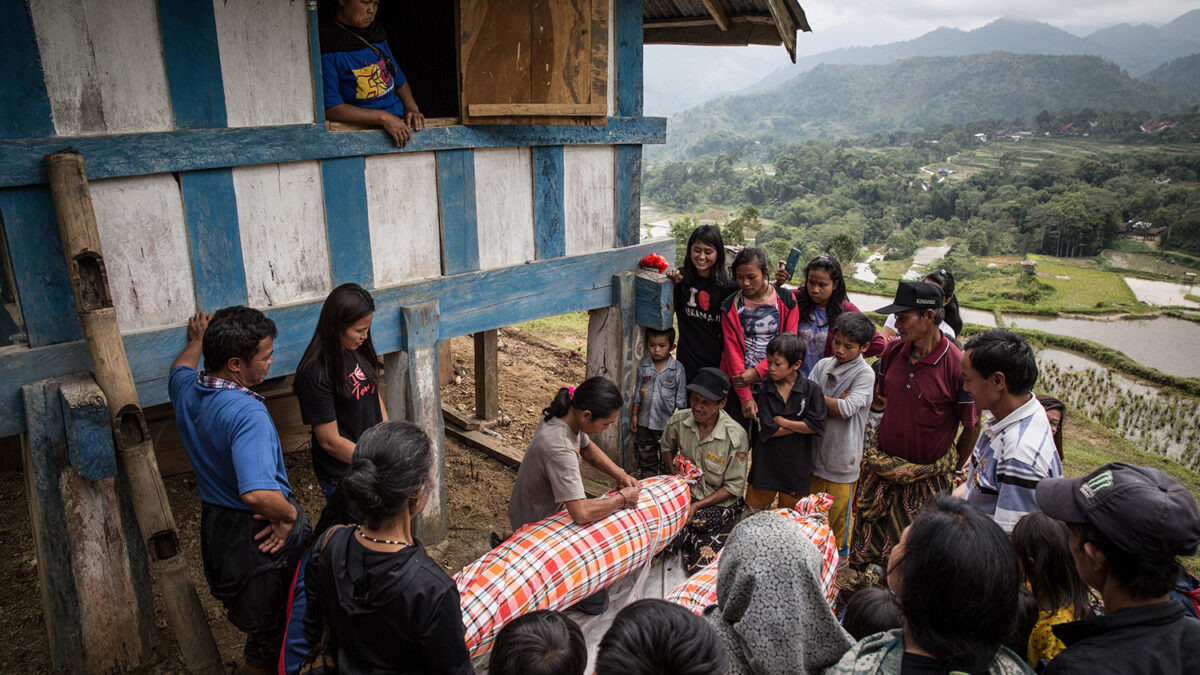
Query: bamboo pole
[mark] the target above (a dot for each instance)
(135, 448)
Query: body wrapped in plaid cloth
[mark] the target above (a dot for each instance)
(554, 563)
(700, 590)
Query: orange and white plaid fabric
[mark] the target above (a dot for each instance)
(554, 563)
(700, 590)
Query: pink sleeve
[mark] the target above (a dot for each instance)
(733, 361)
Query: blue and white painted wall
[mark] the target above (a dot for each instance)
(216, 182)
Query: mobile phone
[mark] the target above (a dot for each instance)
(792, 261)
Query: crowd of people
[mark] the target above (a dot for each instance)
(979, 555)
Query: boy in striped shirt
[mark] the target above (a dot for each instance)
(1016, 449)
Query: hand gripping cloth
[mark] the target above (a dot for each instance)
(700, 590)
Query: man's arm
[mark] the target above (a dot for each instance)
(584, 511)
(273, 507)
(965, 445)
(190, 356)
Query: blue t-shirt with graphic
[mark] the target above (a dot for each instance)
(759, 325)
(361, 78)
(813, 333)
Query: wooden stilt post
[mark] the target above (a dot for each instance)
(614, 345)
(411, 382)
(92, 568)
(487, 388)
(616, 337)
(135, 449)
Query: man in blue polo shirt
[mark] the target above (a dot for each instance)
(1016, 450)
(252, 532)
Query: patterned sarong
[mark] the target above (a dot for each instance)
(701, 540)
(700, 590)
(890, 492)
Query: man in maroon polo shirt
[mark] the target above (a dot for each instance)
(910, 459)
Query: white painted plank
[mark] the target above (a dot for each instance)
(72, 83)
(144, 236)
(265, 62)
(589, 196)
(129, 58)
(402, 210)
(103, 65)
(281, 220)
(504, 206)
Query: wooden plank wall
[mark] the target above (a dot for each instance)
(213, 186)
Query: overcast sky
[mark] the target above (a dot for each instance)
(867, 22)
(847, 23)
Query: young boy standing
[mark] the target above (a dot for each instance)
(661, 390)
(791, 413)
(847, 383)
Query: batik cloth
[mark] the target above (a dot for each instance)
(700, 590)
(890, 492)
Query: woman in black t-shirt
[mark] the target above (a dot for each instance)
(336, 382)
(700, 287)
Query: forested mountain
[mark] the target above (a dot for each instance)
(833, 101)
(1181, 76)
(1137, 49)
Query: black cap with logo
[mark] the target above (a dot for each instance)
(914, 295)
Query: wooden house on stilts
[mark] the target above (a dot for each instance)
(215, 180)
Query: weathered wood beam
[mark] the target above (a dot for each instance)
(118, 155)
(717, 13)
(508, 456)
(513, 295)
(92, 569)
(487, 373)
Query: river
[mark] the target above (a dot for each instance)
(1164, 343)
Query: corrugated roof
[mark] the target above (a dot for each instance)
(724, 22)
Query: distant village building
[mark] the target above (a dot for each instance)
(1028, 268)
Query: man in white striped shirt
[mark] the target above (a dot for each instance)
(1016, 449)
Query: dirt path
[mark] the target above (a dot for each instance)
(531, 371)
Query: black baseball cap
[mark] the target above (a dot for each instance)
(914, 295)
(711, 383)
(1140, 509)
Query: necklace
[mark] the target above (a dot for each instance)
(369, 538)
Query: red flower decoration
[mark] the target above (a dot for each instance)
(654, 261)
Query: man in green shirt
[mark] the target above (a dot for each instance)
(708, 437)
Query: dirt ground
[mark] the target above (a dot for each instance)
(531, 371)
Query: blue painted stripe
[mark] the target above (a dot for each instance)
(346, 221)
(628, 33)
(513, 294)
(314, 48)
(629, 194)
(210, 206)
(193, 64)
(456, 198)
(549, 216)
(39, 266)
(24, 105)
(118, 155)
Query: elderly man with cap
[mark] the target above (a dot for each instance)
(708, 437)
(909, 460)
(1128, 525)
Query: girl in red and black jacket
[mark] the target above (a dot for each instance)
(749, 319)
(819, 302)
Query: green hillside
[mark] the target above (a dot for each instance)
(1181, 76)
(846, 101)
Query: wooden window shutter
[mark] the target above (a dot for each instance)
(533, 61)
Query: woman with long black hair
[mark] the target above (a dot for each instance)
(337, 382)
(700, 288)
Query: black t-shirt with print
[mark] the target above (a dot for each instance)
(698, 311)
(320, 402)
